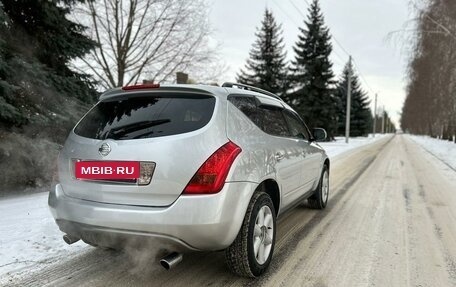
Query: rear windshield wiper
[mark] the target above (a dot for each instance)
(118, 132)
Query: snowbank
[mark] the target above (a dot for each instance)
(339, 146)
(29, 235)
(444, 150)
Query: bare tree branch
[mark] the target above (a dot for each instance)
(430, 105)
(140, 39)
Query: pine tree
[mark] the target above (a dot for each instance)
(266, 68)
(360, 113)
(8, 112)
(387, 125)
(37, 44)
(312, 74)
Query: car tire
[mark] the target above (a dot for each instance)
(251, 252)
(319, 199)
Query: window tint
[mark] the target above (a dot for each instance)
(274, 122)
(269, 119)
(296, 126)
(248, 106)
(153, 115)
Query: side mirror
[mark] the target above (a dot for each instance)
(319, 134)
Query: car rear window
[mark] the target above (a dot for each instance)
(146, 116)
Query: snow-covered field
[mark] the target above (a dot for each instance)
(444, 150)
(29, 238)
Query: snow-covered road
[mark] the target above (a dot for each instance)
(29, 237)
(390, 221)
(30, 240)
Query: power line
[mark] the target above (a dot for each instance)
(334, 37)
(297, 9)
(362, 77)
(284, 12)
(338, 43)
(343, 61)
(303, 15)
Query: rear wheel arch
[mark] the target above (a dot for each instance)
(271, 187)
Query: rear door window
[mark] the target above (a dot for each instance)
(296, 126)
(274, 122)
(146, 116)
(248, 106)
(268, 118)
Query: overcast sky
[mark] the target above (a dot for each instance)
(361, 26)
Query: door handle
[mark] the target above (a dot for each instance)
(279, 156)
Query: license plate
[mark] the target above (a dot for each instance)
(109, 170)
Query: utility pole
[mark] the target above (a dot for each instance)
(375, 117)
(347, 114)
(383, 120)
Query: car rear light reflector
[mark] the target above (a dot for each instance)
(211, 176)
(146, 170)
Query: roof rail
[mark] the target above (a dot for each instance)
(251, 88)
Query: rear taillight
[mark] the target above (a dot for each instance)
(211, 176)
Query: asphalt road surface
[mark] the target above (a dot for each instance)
(391, 221)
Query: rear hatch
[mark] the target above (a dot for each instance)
(172, 132)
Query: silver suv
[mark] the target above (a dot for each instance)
(188, 168)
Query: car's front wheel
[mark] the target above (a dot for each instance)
(319, 199)
(251, 252)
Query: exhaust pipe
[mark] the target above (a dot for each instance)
(171, 260)
(70, 239)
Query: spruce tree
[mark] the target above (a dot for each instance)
(36, 47)
(360, 113)
(53, 40)
(266, 68)
(312, 74)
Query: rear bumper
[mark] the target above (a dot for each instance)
(198, 223)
